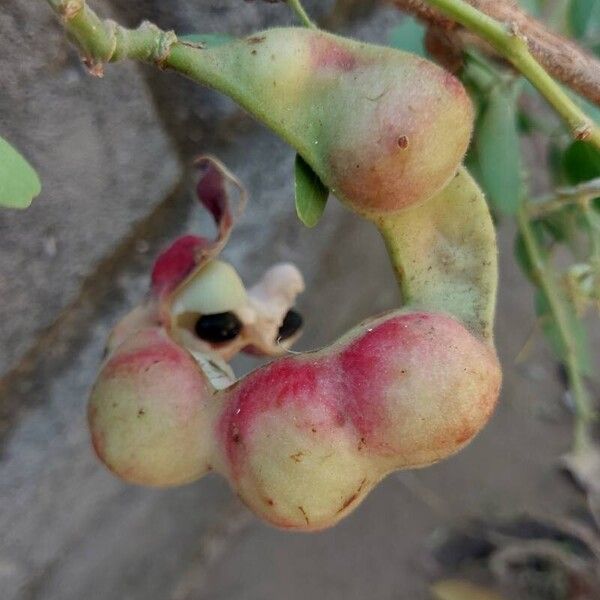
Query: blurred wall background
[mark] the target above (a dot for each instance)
(114, 156)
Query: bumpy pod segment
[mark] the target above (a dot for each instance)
(382, 128)
(303, 439)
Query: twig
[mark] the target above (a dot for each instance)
(593, 227)
(580, 194)
(584, 413)
(512, 34)
(102, 41)
(562, 58)
(297, 7)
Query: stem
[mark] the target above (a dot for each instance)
(591, 220)
(103, 41)
(584, 414)
(509, 43)
(564, 59)
(297, 7)
(580, 194)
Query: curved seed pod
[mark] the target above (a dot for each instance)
(303, 439)
(382, 128)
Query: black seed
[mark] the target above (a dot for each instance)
(220, 327)
(291, 324)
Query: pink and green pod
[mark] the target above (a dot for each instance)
(303, 439)
(383, 129)
(146, 410)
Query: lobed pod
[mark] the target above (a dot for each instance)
(382, 128)
(303, 439)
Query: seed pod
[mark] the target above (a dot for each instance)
(303, 439)
(306, 438)
(382, 128)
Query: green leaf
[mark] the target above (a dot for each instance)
(526, 122)
(19, 183)
(593, 220)
(581, 16)
(208, 40)
(522, 255)
(408, 36)
(498, 149)
(555, 159)
(479, 76)
(472, 163)
(311, 194)
(531, 6)
(578, 332)
(581, 162)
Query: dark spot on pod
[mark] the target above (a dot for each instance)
(220, 327)
(353, 497)
(403, 142)
(347, 503)
(301, 509)
(292, 322)
(256, 39)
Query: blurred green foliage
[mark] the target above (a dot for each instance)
(19, 183)
(567, 221)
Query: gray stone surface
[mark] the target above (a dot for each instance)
(64, 520)
(104, 159)
(196, 116)
(69, 530)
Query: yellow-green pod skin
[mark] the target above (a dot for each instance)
(383, 129)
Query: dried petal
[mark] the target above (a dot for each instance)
(190, 253)
(176, 263)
